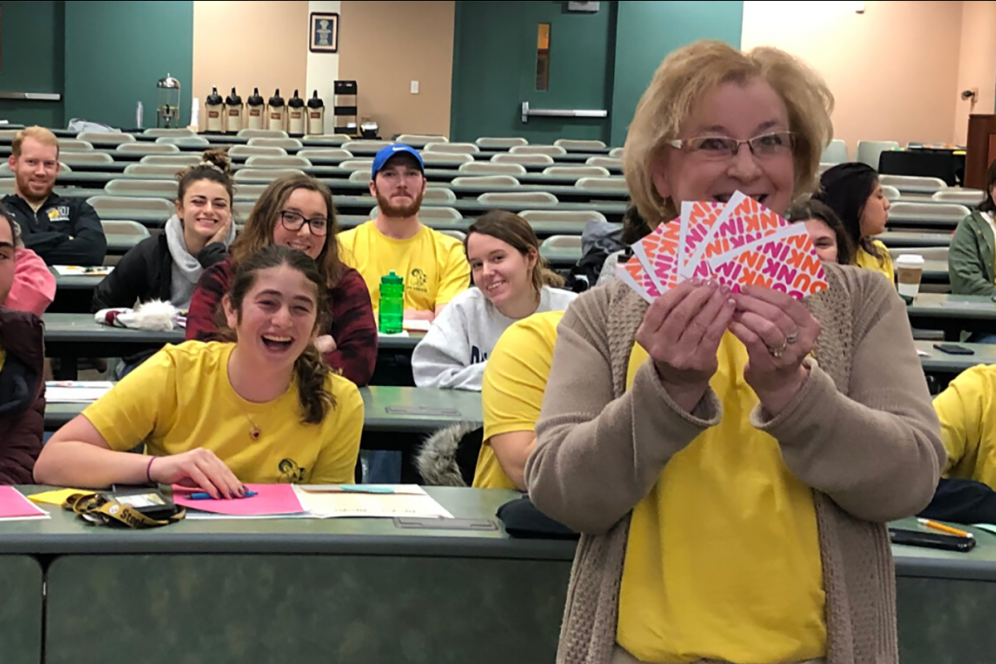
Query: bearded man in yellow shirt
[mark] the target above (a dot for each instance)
(434, 266)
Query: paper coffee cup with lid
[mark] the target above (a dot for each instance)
(909, 272)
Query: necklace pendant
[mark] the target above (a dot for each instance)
(255, 433)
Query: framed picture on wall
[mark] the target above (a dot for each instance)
(324, 33)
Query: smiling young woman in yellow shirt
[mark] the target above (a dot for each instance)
(264, 409)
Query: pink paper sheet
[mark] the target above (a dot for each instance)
(271, 499)
(13, 505)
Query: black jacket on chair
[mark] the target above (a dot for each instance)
(146, 273)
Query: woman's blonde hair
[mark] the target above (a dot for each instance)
(681, 81)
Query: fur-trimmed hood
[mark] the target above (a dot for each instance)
(437, 459)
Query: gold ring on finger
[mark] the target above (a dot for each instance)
(777, 352)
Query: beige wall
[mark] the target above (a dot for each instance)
(250, 44)
(894, 70)
(977, 63)
(384, 46)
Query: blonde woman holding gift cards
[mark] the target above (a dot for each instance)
(802, 426)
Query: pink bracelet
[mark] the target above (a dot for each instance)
(148, 470)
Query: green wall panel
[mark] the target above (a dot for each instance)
(492, 56)
(32, 57)
(494, 69)
(647, 31)
(486, 42)
(115, 53)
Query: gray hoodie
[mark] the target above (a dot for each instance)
(455, 351)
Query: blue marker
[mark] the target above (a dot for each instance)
(207, 496)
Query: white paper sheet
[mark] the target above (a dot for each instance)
(80, 270)
(76, 391)
(384, 501)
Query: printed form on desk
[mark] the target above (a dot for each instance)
(76, 391)
(384, 501)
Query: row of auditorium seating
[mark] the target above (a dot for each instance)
(186, 137)
(868, 152)
(278, 156)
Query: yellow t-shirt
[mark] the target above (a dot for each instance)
(869, 262)
(512, 389)
(965, 410)
(180, 399)
(723, 557)
(3, 358)
(434, 266)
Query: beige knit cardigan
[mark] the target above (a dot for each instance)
(862, 433)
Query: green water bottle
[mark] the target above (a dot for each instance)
(392, 303)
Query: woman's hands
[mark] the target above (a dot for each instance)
(199, 468)
(682, 329)
(222, 232)
(779, 332)
(681, 332)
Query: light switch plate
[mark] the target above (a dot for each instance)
(414, 87)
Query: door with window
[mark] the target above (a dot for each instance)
(507, 54)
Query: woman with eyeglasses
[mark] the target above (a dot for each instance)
(732, 460)
(297, 212)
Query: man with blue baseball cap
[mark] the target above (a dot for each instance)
(434, 266)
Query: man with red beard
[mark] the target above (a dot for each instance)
(434, 266)
(63, 231)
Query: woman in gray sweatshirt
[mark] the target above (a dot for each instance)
(510, 282)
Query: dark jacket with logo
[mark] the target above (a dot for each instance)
(22, 395)
(64, 231)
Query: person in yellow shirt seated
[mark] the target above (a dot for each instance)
(264, 409)
(512, 395)
(966, 491)
(433, 265)
(854, 193)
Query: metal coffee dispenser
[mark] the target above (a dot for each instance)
(168, 109)
(295, 116)
(255, 109)
(214, 106)
(234, 113)
(277, 113)
(316, 115)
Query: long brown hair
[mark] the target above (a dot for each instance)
(845, 189)
(814, 209)
(265, 215)
(215, 166)
(515, 231)
(310, 370)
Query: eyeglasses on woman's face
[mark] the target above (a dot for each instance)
(773, 144)
(294, 221)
